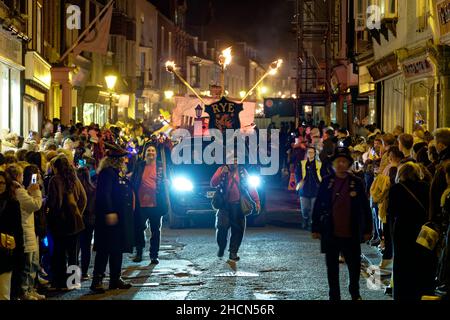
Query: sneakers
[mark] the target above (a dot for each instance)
(386, 264)
(85, 277)
(232, 264)
(37, 295)
(29, 297)
(42, 281)
(119, 284)
(154, 261)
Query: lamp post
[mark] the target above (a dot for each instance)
(111, 79)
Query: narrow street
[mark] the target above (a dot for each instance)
(276, 263)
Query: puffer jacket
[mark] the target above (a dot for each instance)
(29, 203)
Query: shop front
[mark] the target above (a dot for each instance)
(10, 82)
(387, 74)
(37, 86)
(95, 106)
(420, 77)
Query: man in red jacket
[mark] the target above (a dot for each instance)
(233, 179)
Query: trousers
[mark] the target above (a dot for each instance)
(230, 219)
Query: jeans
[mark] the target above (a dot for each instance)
(5, 285)
(231, 218)
(85, 248)
(115, 265)
(29, 273)
(351, 251)
(376, 221)
(155, 219)
(65, 253)
(307, 206)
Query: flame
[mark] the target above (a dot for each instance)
(170, 66)
(225, 58)
(274, 66)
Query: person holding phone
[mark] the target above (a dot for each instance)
(30, 200)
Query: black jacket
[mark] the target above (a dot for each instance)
(136, 180)
(10, 224)
(438, 186)
(114, 194)
(361, 216)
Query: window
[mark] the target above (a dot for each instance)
(195, 79)
(39, 28)
(422, 15)
(360, 15)
(390, 9)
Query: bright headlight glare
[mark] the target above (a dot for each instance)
(182, 184)
(254, 181)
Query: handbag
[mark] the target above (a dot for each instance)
(246, 202)
(7, 241)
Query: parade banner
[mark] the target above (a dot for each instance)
(224, 114)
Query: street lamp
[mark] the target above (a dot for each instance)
(111, 79)
(198, 124)
(168, 94)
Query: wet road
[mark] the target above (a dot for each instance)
(276, 263)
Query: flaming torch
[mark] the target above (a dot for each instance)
(225, 59)
(273, 69)
(172, 68)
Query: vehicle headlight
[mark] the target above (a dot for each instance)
(182, 184)
(254, 181)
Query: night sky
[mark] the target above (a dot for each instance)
(265, 24)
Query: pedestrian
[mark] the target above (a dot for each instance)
(151, 204)
(30, 200)
(233, 180)
(11, 232)
(408, 207)
(438, 187)
(66, 203)
(88, 219)
(342, 221)
(405, 144)
(308, 180)
(444, 261)
(114, 225)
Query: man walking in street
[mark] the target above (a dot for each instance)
(233, 180)
(148, 184)
(342, 220)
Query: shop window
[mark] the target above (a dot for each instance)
(4, 96)
(333, 113)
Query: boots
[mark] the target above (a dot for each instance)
(119, 284)
(138, 257)
(97, 285)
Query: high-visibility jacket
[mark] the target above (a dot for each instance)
(318, 167)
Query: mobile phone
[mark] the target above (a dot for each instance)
(34, 178)
(82, 162)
